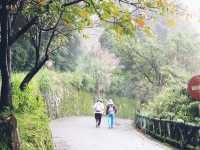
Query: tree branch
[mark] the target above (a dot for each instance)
(22, 31)
(72, 3)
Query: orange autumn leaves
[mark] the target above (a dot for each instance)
(109, 11)
(140, 22)
(84, 13)
(82, 16)
(41, 2)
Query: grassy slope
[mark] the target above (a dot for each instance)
(30, 110)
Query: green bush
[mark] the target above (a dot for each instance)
(31, 128)
(29, 100)
(125, 106)
(30, 110)
(172, 104)
(193, 108)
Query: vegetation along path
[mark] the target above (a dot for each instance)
(80, 133)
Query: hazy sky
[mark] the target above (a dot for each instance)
(193, 6)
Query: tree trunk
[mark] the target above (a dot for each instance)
(98, 95)
(8, 129)
(9, 133)
(6, 98)
(32, 73)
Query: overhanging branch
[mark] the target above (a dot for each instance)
(72, 3)
(22, 31)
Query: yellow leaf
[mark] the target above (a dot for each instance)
(106, 15)
(119, 30)
(171, 22)
(161, 2)
(140, 22)
(115, 11)
(41, 2)
(148, 31)
(84, 13)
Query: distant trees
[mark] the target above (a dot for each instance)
(149, 64)
(100, 65)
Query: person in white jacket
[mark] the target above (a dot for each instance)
(98, 112)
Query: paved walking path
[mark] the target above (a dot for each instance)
(80, 133)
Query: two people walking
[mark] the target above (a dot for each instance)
(110, 112)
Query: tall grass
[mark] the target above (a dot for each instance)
(31, 114)
(125, 107)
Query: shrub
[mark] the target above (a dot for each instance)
(30, 110)
(173, 104)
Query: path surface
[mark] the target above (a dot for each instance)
(80, 133)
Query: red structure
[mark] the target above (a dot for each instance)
(194, 87)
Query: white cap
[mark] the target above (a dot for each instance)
(110, 101)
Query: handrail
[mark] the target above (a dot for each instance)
(182, 135)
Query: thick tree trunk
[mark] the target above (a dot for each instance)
(8, 125)
(6, 98)
(9, 133)
(32, 73)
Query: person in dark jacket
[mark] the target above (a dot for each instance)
(111, 110)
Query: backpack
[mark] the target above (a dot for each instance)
(98, 107)
(111, 109)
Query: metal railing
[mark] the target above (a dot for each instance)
(182, 135)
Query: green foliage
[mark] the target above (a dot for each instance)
(76, 17)
(125, 107)
(159, 70)
(149, 64)
(79, 80)
(193, 109)
(64, 59)
(50, 80)
(22, 55)
(172, 104)
(81, 102)
(28, 101)
(34, 131)
(30, 110)
(76, 103)
(75, 91)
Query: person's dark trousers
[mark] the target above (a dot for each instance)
(98, 119)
